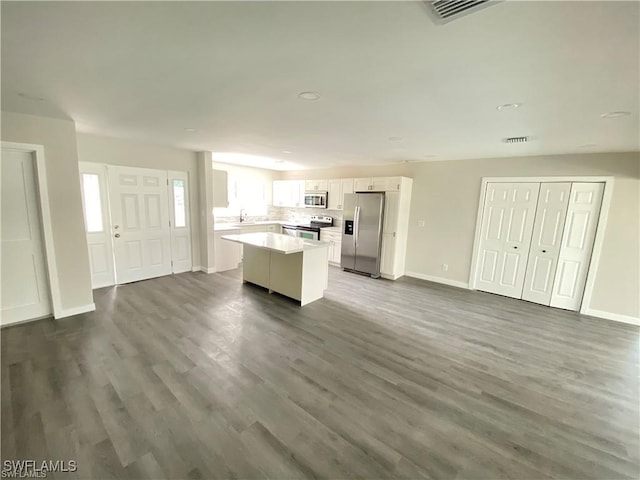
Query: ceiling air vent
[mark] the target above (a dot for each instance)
(516, 140)
(445, 11)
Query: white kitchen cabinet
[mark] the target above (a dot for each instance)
(227, 255)
(362, 184)
(288, 193)
(336, 192)
(391, 212)
(335, 244)
(378, 184)
(220, 189)
(387, 254)
(392, 184)
(395, 227)
(319, 185)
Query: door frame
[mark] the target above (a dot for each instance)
(187, 177)
(99, 169)
(42, 192)
(597, 242)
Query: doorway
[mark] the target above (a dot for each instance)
(137, 222)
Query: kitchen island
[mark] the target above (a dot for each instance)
(295, 267)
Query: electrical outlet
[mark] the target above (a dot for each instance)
(445, 267)
(421, 223)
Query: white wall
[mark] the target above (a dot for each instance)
(445, 195)
(130, 153)
(61, 159)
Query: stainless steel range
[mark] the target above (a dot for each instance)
(310, 229)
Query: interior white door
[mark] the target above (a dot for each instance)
(140, 216)
(25, 287)
(95, 203)
(507, 225)
(545, 243)
(180, 224)
(580, 228)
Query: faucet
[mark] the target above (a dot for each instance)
(243, 215)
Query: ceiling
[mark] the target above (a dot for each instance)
(394, 85)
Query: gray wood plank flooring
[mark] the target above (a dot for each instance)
(199, 376)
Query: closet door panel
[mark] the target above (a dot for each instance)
(545, 242)
(579, 233)
(507, 224)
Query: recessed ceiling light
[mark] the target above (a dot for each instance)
(309, 95)
(286, 151)
(508, 106)
(615, 114)
(395, 139)
(191, 130)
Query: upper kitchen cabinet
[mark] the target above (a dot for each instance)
(378, 184)
(288, 193)
(220, 189)
(319, 185)
(336, 191)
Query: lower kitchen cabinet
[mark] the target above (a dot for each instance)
(228, 255)
(335, 244)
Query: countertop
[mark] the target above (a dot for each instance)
(223, 227)
(276, 242)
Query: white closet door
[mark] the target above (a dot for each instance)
(545, 243)
(577, 244)
(180, 225)
(507, 224)
(95, 203)
(140, 216)
(25, 289)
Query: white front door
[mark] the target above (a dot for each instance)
(140, 216)
(577, 244)
(93, 185)
(25, 287)
(180, 224)
(507, 224)
(545, 243)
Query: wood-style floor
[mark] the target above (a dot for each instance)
(199, 376)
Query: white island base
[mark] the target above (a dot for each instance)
(295, 267)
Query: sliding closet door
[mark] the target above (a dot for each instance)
(577, 244)
(545, 243)
(507, 225)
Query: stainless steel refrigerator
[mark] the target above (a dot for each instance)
(362, 232)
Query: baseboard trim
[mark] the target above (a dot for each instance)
(196, 268)
(68, 312)
(431, 278)
(616, 317)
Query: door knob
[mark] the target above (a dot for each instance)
(544, 251)
(117, 235)
(116, 226)
(515, 248)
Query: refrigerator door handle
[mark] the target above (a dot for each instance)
(356, 226)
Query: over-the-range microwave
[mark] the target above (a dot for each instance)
(315, 199)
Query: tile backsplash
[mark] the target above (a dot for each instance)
(284, 213)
